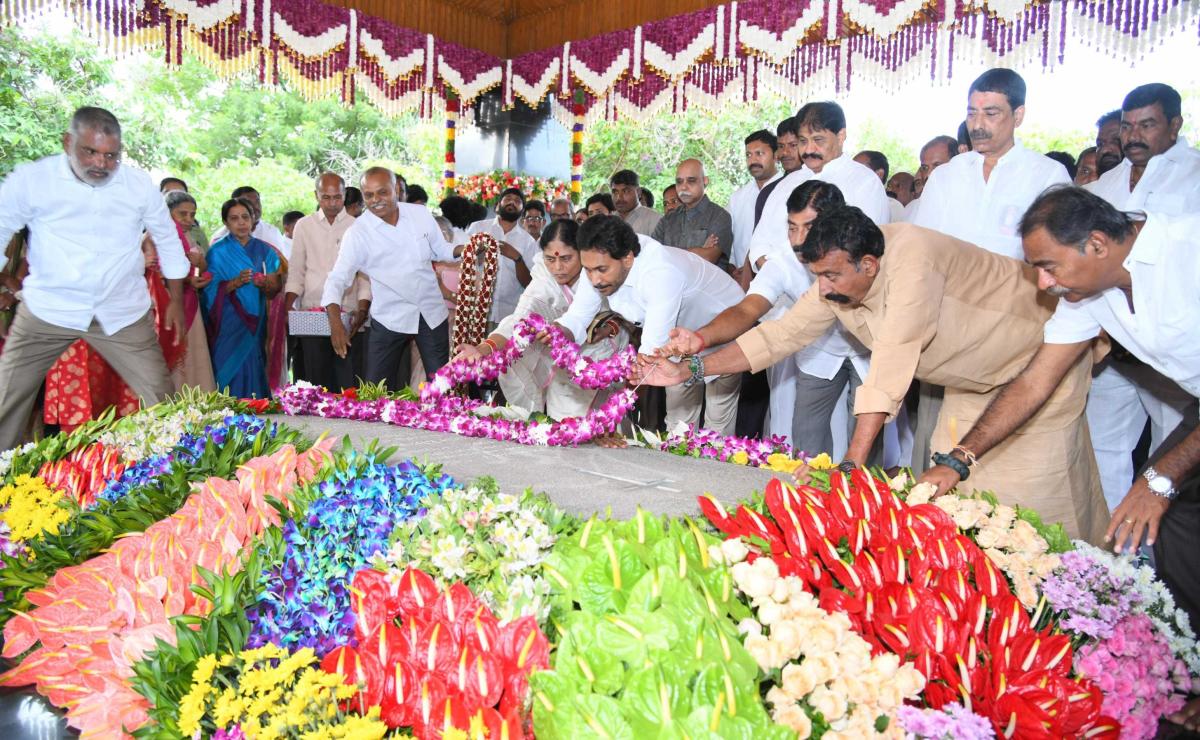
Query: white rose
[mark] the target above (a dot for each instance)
(830, 704)
(794, 718)
(921, 493)
(734, 550)
(749, 626)
(798, 680)
(787, 636)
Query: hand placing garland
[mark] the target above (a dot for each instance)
(440, 412)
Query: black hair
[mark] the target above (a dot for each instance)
(535, 205)
(1066, 160)
(291, 217)
(624, 177)
(964, 137)
(1084, 153)
(457, 210)
(1155, 92)
(647, 197)
(168, 180)
(243, 190)
(1003, 81)
(845, 228)
(608, 234)
(602, 198)
(876, 161)
(765, 137)
(949, 142)
(228, 206)
(511, 191)
(819, 195)
(96, 119)
(478, 212)
(564, 230)
(1069, 214)
(668, 189)
(416, 194)
(825, 115)
(1113, 116)
(353, 196)
(787, 126)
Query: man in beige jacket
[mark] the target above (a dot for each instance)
(937, 309)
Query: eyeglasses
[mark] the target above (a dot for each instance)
(535, 219)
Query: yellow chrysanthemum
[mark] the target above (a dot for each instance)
(821, 462)
(34, 508)
(741, 457)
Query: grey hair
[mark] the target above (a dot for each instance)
(380, 171)
(570, 208)
(95, 119)
(176, 197)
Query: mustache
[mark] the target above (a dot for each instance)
(1058, 291)
(812, 155)
(1130, 147)
(980, 135)
(837, 298)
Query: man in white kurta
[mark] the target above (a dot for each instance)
(825, 370)
(518, 253)
(658, 288)
(760, 161)
(979, 196)
(86, 212)
(1160, 174)
(393, 244)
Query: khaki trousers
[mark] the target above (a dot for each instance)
(719, 398)
(34, 345)
(1048, 465)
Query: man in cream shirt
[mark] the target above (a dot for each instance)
(626, 194)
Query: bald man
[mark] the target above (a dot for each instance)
(700, 225)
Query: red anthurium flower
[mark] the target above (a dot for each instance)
(927, 519)
(1009, 619)
(388, 644)
(893, 563)
(431, 695)
(417, 594)
(523, 647)
(399, 706)
(482, 630)
(719, 518)
(436, 649)
(455, 606)
(1033, 651)
(989, 578)
(869, 571)
(512, 701)
(477, 677)
(361, 669)
(938, 695)
(833, 600)
(1022, 716)
(1083, 703)
(975, 612)
(754, 524)
(368, 602)
(783, 503)
(1104, 728)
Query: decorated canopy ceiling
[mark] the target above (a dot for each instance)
(711, 57)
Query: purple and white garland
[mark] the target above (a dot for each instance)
(439, 412)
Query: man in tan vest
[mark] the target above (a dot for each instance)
(936, 309)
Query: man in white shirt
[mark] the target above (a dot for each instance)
(315, 246)
(393, 244)
(826, 369)
(937, 151)
(1160, 174)
(626, 194)
(1108, 141)
(262, 230)
(86, 214)
(980, 196)
(658, 288)
(1135, 280)
(760, 162)
(518, 252)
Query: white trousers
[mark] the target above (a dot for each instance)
(1123, 397)
(719, 398)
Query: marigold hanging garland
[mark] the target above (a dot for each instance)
(475, 293)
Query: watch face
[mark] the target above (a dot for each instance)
(1160, 484)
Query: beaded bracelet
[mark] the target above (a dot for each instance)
(958, 466)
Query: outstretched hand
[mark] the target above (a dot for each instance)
(680, 342)
(941, 477)
(651, 370)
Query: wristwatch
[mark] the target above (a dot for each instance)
(1160, 485)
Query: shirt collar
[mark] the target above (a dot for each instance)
(1179, 152)
(1148, 245)
(873, 301)
(1017, 151)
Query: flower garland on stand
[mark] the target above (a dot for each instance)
(577, 149)
(449, 181)
(475, 293)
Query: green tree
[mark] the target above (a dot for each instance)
(42, 81)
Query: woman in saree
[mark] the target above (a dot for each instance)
(192, 366)
(246, 274)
